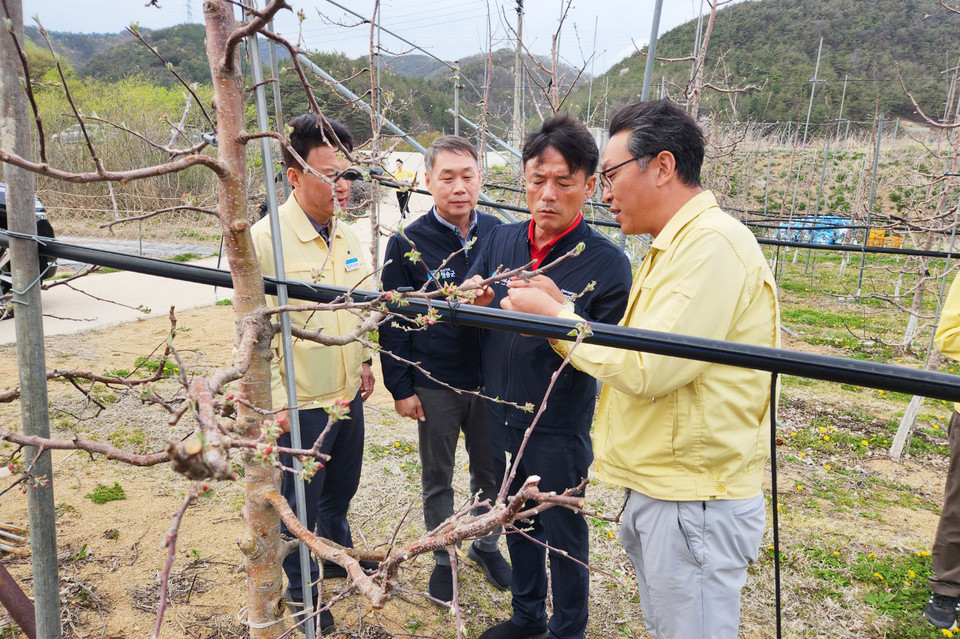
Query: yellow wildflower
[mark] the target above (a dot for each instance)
(799, 487)
(865, 442)
(836, 553)
(826, 466)
(877, 575)
(911, 574)
(872, 555)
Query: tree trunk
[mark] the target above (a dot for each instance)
(696, 88)
(260, 542)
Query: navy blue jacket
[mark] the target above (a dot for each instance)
(450, 353)
(517, 368)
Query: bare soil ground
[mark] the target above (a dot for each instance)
(110, 554)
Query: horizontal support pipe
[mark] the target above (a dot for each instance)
(833, 369)
(858, 248)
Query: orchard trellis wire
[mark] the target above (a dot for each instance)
(734, 185)
(776, 361)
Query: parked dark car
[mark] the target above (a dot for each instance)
(43, 228)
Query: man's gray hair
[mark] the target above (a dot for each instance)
(451, 143)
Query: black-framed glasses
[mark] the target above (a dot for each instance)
(353, 173)
(605, 181)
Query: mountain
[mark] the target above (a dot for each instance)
(181, 46)
(414, 65)
(78, 48)
(776, 41)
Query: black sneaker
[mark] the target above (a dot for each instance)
(510, 630)
(495, 567)
(941, 611)
(336, 571)
(327, 625)
(441, 584)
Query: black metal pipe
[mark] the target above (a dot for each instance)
(832, 369)
(859, 248)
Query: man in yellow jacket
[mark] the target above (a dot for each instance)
(944, 602)
(689, 440)
(318, 247)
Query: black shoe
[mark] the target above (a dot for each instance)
(327, 625)
(941, 611)
(510, 630)
(336, 571)
(495, 567)
(441, 584)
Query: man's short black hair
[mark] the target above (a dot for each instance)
(309, 132)
(661, 125)
(569, 137)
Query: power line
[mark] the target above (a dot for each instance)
(399, 37)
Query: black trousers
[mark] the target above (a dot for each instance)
(561, 461)
(402, 198)
(329, 493)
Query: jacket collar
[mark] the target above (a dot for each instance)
(572, 238)
(300, 223)
(694, 207)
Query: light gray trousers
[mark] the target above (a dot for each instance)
(691, 559)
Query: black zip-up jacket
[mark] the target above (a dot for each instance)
(517, 368)
(450, 353)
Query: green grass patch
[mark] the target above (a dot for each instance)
(153, 365)
(103, 493)
(185, 257)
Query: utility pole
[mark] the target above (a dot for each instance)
(518, 79)
(696, 43)
(593, 59)
(456, 97)
(651, 51)
(813, 89)
(843, 97)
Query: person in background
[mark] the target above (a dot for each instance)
(689, 440)
(944, 602)
(448, 239)
(312, 238)
(404, 178)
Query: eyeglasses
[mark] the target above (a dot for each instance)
(353, 173)
(605, 180)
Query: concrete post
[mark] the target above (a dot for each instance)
(21, 218)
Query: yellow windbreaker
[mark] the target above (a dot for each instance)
(947, 337)
(679, 429)
(323, 373)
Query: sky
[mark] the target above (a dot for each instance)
(448, 29)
